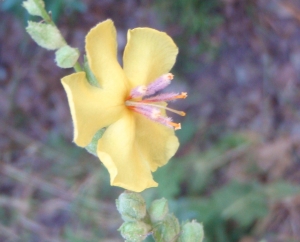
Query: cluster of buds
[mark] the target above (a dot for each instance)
(47, 35)
(156, 221)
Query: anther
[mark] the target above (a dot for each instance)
(182, 95)
(159, 84)
(137, 92)
(175, 125)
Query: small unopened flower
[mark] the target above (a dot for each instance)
(140, 136)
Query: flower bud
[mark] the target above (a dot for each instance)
(45, 35)
(166, 230)
(66, 56)
(134, 231)
(158, 210)
(33, 8)
(131, 206)
(191, 232)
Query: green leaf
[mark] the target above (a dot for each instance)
(281, 189)
(242, 202)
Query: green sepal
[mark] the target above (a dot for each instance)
(92, 147)
(45, 35)
(66, 56)
(32, 7)
(89, 74)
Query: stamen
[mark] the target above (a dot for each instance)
(141, 103)
(165, 97)
(176, 125)
(159, 84)
(150, 112)
(168, 122)
(151, 107)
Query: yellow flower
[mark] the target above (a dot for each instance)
(140, 137)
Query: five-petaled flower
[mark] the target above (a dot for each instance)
(140, 137)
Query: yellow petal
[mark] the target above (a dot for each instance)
(101, 49)
(118, 151)
(148, 55)
(91, 108)
(157, 142)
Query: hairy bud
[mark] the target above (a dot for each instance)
(131, 206)
(32, 7)
(45, 35)
(158, 210)
(191, 232)
(66, 56)
(135, 231)
(166, 230)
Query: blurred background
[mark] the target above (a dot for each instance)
(238, 166)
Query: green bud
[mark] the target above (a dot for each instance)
(135, 231)
(191, 232)
(131, 206)
(66, 56)
(45, 35)
(158, 210)
(32, 7)
(166, 230)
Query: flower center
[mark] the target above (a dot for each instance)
(142, 99)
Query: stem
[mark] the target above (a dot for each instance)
(77, 67)
(45, 15)
(48, 19)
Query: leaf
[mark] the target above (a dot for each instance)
(281, 189)
(242, 202)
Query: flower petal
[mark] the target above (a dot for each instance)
(101, 49)
(91, 108)
(148, 54)
(157, 142)
(118, 151)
